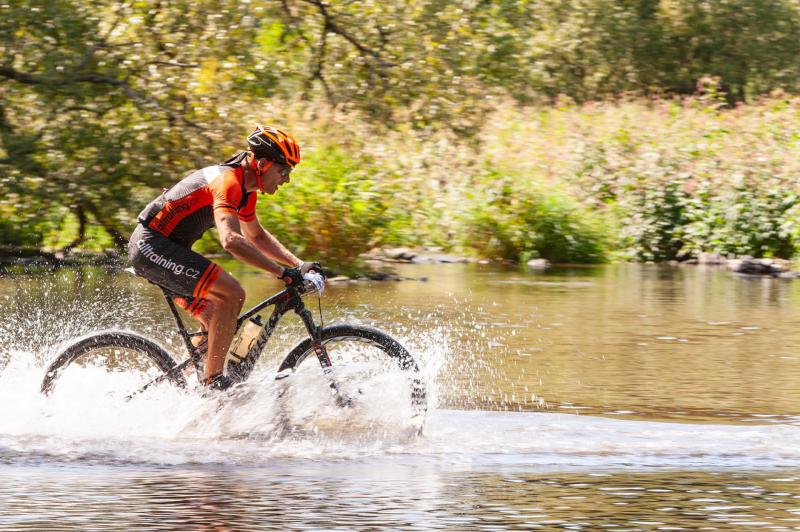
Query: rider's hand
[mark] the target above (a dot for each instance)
(306, 267)
(292, 277)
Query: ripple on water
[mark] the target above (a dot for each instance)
(170, 461)
(347, 495)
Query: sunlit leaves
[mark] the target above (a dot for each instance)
(102, 103)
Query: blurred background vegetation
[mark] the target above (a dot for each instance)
(572, 130)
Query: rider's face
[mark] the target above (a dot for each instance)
(275, 175)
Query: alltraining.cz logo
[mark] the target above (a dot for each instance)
(175, 209)
(154, 257)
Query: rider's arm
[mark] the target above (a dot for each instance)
(231, 238)
(268, 244)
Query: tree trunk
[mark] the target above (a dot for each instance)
(81, 214)
(120, 241)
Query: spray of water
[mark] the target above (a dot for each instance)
(86, 419)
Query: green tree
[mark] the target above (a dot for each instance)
(99, 100)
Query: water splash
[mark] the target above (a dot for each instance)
(86, 420)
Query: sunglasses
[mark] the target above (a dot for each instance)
(285, 170)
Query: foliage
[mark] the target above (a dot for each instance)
(98, 99)
(655, 220)
(681, 177)
(332, 213)
(103, 103)
(429, 60)
(13, 235)
(511, 219)
(664, 221)
(749, 218)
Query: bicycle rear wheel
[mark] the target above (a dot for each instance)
(114, 351)
(372, 370)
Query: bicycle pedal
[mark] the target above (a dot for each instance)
(282, 375)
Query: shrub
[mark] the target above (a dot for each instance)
(17, 234)
(332, 211)
(655, 219)
(513, 220)
(748, 218)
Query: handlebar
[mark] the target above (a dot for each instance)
(313, 282)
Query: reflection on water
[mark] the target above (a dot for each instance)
(346, 497)
(627, 340)
(630, 341)
(573, 372)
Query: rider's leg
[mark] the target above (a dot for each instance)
(204, 290)
(202, 318)
(201, 342)
(226, 298)
(201, 311)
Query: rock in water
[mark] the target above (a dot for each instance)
(751, 266)
(538, 264)
(400, 254)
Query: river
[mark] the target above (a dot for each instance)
(620, 397)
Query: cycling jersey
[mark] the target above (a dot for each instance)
(186, 211)
(160, 247)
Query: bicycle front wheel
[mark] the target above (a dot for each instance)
(113, 351)
(371, 371)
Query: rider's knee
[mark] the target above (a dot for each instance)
(232, 295)
(226, 292)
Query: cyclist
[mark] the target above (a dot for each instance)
(223, 196)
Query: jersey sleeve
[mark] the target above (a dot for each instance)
(226, 192)
(248, 212)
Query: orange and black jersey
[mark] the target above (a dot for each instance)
(186, 211)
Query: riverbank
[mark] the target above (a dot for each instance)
(379, 263)
(25, 256)
(639, 180)
(634, 180)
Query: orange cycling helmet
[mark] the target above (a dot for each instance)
(273, 144)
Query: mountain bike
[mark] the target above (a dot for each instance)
(353, 359)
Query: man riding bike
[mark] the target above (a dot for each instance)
(222, 196)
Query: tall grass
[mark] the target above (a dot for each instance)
(638, 179)
(682, 176)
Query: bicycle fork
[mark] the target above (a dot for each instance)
(321, 352)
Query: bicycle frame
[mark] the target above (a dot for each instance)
(239, 368)
(284, 301)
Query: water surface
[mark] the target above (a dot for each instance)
(627, 397)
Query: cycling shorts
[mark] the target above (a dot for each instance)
(180, 270)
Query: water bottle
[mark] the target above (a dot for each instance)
(242, 345)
